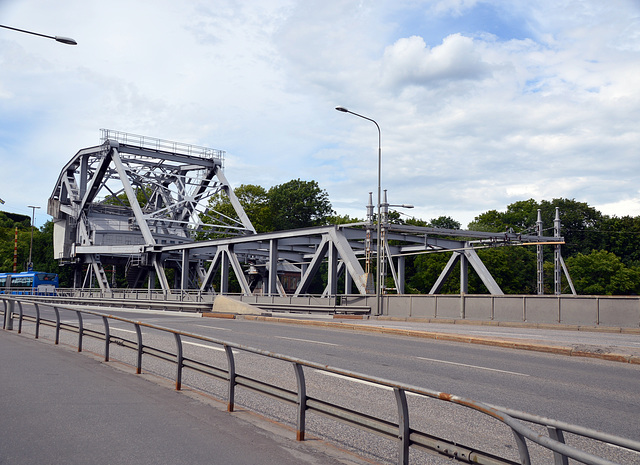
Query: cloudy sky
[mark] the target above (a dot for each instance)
(481, 103)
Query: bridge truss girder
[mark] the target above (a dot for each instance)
(141, 201)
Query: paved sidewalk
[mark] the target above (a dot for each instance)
(61, 407)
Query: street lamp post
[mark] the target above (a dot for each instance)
(378, 245)
(33, 216)
(63, 40)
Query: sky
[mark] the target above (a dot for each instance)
(480, 103)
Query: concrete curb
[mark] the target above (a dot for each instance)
(505, 342)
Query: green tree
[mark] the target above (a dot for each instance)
(254, 202)
(426, 269)
(602, 273)
(299, 204)
(620, 236)
(513, 268)
(444, 222)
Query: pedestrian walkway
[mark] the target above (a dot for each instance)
(61, 407)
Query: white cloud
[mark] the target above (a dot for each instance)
(471, 120)
(409, 61)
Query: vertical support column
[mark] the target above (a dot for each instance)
(224, 272)
(557, 271)
(367, 241)
(464, 273)
(401, 269)
(332, 278)
(540, 266)
(152, 282)
(184, 278)
(348, 281)
(382, 262)
(272, 288)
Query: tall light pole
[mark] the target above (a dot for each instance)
(378, 245)
(63, 40)
(33, 217)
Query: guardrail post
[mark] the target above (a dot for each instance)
(232, 378)
(557, 435)
(37, 320)
(403, 426)
(107, 338)
(20, 317)
(57, 339)
(302, 402)
(178, 361)
(140, 348)
(8, 316)
(523, 450)
(80, 330)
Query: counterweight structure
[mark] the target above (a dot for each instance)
(145, 203)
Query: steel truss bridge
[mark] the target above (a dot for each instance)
(142, 202)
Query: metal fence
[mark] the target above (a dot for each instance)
(399, 431)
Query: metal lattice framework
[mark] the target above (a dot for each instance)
(142, 202)
(133, 194)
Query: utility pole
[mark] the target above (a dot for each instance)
(33, 217)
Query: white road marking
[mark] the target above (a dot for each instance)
(123, 330)
(205, 346)
(361, 381)
(197, 344)
(307, 340)
(214, 327)
(472, 366)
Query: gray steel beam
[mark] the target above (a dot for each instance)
(272, 268)
(313, 267)
(483, 272)
(133, 201)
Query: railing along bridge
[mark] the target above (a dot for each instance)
(521, 425)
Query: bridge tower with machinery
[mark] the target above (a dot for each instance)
(120, 202)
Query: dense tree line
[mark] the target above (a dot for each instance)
(601, 252)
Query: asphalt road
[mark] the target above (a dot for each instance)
(594, 393)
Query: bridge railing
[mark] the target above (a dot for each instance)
(399, 431)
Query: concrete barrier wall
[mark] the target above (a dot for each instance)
(613, 311)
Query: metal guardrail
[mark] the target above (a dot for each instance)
(192, 301)
(399, 431)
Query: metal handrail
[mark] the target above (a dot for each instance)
(399, 431)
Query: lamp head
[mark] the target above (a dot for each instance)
(342, 109)
(65, 40)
